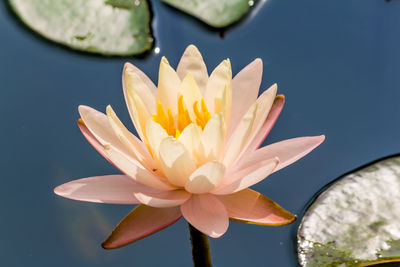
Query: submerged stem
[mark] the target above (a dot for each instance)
(200, 248)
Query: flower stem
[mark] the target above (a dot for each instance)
(200, 248)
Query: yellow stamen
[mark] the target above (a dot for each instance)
(167, 121)
(171, 123)
(206, 113)
(160, 117)
(183, 115)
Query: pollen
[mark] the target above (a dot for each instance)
(174, 126)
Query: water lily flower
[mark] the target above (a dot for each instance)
(197, 153)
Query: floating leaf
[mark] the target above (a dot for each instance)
(216, 13)
(109, 27)
(356, 220)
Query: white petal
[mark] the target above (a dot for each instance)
(168, 85)
(213, 138)
(176, 162)
(191, 139)
(190, 93)
(142, 76)
(139, 114)
(155, 134)
(192, 62)
(220, 79)
(132, 81)
(205, 178)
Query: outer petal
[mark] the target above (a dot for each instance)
(100, 128)
(207, 214)
(192, 62)
(213, 138)
(239, 139)
(139, 223)
(288, 151)
(114, 189)
(132, 80)
(163, 199)
(168, 85)
(218, 85)
(133, 169)
(268, 124)
(136, 146)
(245, 87)
(176, 162)
(205, 178)
(246, 177)
(264, 104)
(251, 207)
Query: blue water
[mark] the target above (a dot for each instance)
(337, 62)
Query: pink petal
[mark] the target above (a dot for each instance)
(252, 207)
(114, 189)
(235, 181)
(245, 87)
(207, 214)
(163, 199)
(91, 139)
(288, 151)
(133, 169)
(98, 125)
(133, 144)
(139, 223)
(268, 124)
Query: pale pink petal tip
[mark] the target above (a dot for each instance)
(113, 189)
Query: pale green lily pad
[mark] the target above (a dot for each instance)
(216, 13)
(356, 220)
(109, 27)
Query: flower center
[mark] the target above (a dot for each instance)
(175, 126)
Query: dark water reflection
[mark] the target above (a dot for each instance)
(337, 62)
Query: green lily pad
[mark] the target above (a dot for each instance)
(109, 27)
(356, 220)
(216, 13)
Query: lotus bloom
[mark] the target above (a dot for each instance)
(197, 151)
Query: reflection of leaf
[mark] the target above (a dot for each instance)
(355, 222)
(109, 27)
(216, 13)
